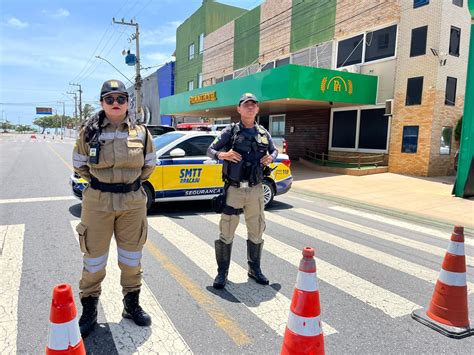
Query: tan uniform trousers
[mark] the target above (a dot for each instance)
(251, 200)
(130, 228)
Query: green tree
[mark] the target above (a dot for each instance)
(23, 128)
(6, 125)
(87, 111)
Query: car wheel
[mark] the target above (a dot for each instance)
(268, 193)
(149, 196)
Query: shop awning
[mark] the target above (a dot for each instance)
(283, 89)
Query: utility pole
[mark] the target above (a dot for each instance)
(80, 99)
(138, 79)
(75, 105)
(62, 117)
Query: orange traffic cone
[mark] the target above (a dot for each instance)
(303, 333)
(64, 335)
(448, 311)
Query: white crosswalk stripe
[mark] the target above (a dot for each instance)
(427, 248)
(11, 260)
(401, 224)
(160, 337)
(373, 295)
(266, 303)
(396, 263)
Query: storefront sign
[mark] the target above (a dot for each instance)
(336, 84)
(207, 96)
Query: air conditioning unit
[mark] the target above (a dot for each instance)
(389, 107)
(352, 69)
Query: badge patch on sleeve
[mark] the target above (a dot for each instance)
(93, 152)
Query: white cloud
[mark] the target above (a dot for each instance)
(61, 13)
(165, 34)
(15, 23)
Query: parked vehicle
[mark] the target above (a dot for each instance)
(158, 130)
(184, 172)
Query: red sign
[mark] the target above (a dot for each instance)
(44, 111)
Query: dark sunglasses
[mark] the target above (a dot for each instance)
(109, 100)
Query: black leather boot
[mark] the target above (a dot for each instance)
(133, 311)
(254, 254)
(223, 252)
(88, 319)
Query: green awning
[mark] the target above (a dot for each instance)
(285, 88)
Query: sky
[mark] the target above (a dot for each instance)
(47, 44)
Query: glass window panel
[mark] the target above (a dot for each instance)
(349, 51)
(446, 136)
(418, 41)
(344, 125)
(450, 98)
(380, 44)
(228, 77)
(268, 66)
(410, 139)
(201, 43)
(458, 3)
(418, 3)
(373, 129)
(454, 40)
(414, 91)
(190, 85)
(282, 62)
(196, 146)
(278, 126)
(191, 51)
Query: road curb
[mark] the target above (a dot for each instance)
(440, 224)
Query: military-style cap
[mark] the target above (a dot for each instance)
(248, 96)
(113, 87)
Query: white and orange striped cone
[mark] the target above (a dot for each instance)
(64, 336)
(303, 333)
(448, 309)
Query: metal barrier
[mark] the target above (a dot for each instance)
(356, 160)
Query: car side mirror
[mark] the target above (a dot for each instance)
(177, 153)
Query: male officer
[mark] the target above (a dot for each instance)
(244, 148)
(114, 155)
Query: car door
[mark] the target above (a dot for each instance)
(193, 176)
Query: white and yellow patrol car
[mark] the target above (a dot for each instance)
(184, 172)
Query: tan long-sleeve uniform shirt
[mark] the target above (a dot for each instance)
(126, 154)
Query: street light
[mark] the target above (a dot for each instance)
(113, 66)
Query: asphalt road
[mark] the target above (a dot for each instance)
(373, 270)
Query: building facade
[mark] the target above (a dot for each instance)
(313, 66)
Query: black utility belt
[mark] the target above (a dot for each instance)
(242, 184)
(115, 188)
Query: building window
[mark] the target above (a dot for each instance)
(344, 125)
(282, 62)
(228, 77)
(191, 51)
(349, 51)
(219, 80)
(190, 85)
(450, 98)
(458, 3)
(414, 91)
(380, 44)
(201, 43)
(268, 66)
(419, 3)
(410, 139)
(373, 129)
(418, 41)
(277, 125)
(199, 80)
(454, 41)
(446, 136)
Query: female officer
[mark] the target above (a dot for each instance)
(114, 155)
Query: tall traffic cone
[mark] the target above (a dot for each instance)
(64, 335)
(303, 333)
(448, 310)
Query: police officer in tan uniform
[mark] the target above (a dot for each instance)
(245, 148)
(115, 155)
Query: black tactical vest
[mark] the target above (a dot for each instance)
(252, 148)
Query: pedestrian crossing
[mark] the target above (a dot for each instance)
(265, 303)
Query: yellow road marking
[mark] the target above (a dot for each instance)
(62, 159)
(220, 316)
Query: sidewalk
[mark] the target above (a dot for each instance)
(418, 197)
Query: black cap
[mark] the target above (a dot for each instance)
(248, 96)
(113, 87)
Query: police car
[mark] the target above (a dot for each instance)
(184, 172)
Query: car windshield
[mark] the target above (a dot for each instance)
(165, 139)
